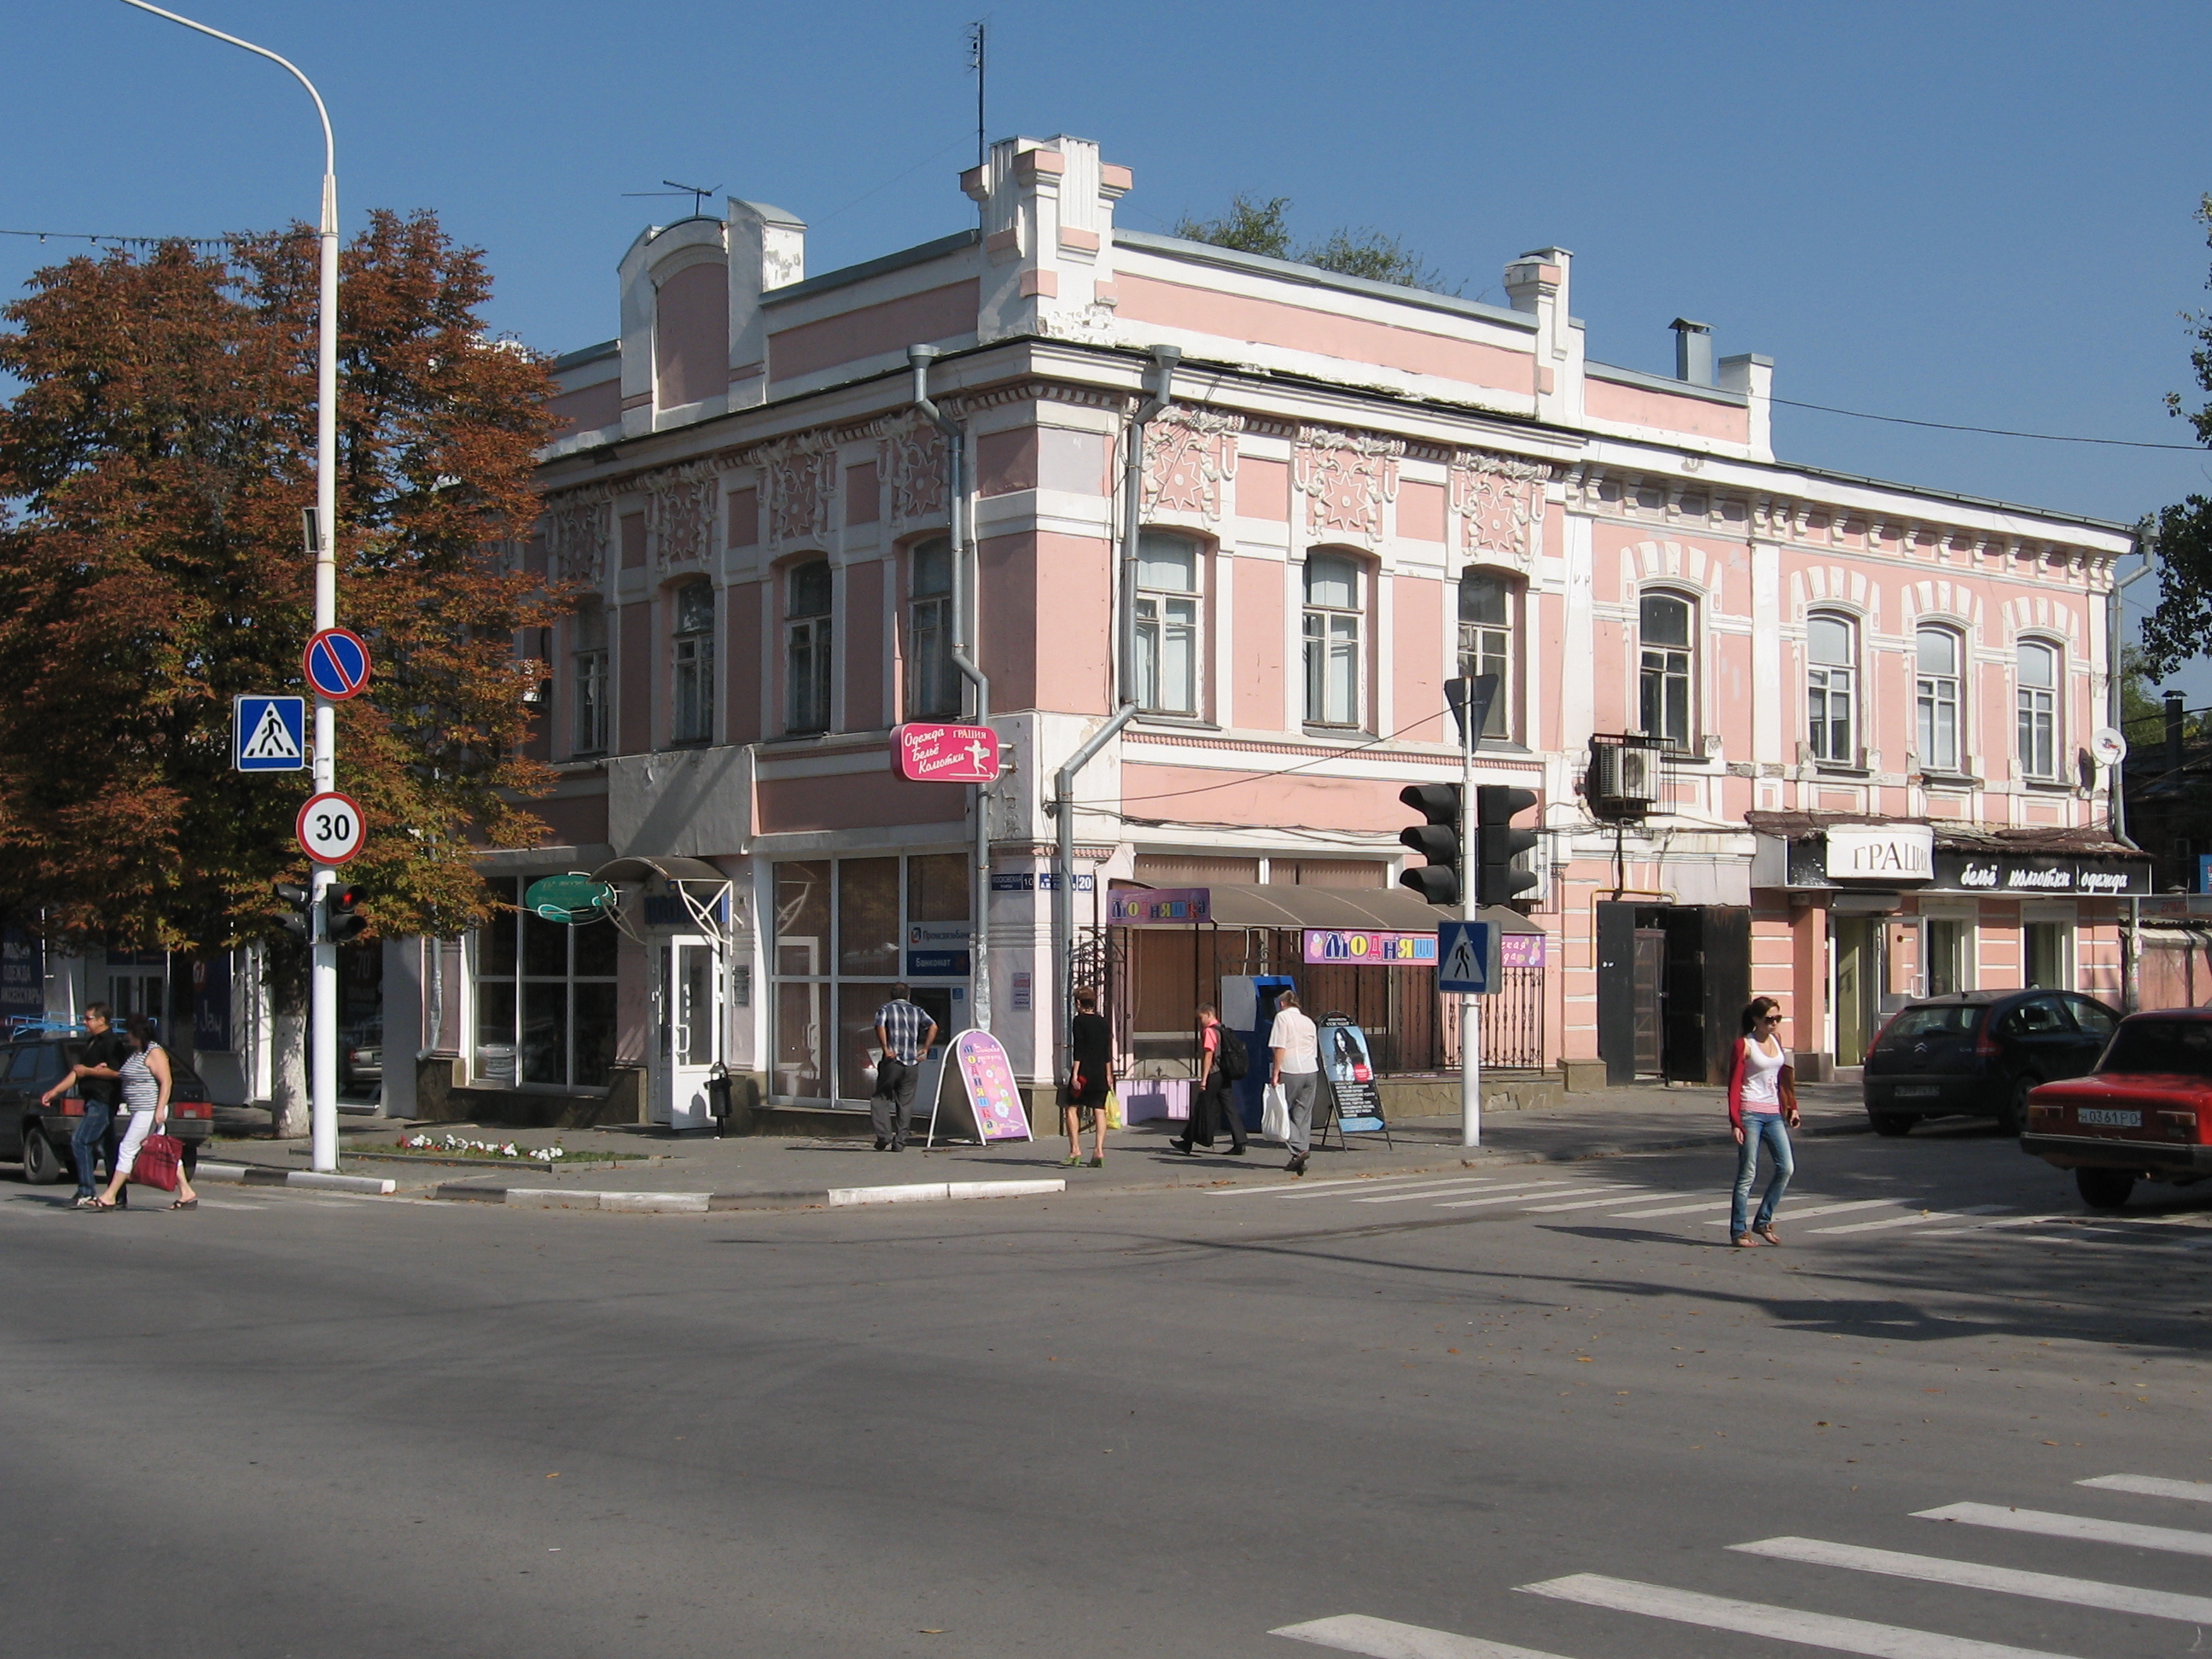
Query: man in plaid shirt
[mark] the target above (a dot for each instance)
(905, 1033)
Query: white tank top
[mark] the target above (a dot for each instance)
(1762, 1076)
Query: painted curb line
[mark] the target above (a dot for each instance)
(922, 1192)
(254, 1175)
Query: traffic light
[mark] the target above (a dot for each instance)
(298, 918)
(344, 919)
(1496, 842)
(1438, 841)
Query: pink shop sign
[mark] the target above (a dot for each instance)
(1371, 947)
(988, 1077)
(1521, 949)
(930, 753)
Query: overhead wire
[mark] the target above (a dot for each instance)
(1986, 431)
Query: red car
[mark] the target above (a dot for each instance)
(2145, 1114)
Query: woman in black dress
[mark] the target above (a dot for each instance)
(1091, 1076)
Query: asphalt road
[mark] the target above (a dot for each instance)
(1167, 1423)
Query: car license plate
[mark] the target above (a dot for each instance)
(2109, 1117)
(1918, 1092)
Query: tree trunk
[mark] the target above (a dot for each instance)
(287, 1074)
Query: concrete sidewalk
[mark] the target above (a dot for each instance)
(763, 1173)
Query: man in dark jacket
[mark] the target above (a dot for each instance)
(98, 1077)
(1221, 1062)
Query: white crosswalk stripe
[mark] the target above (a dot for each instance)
(1385, 1639)
(1679, 1209)
(1619, 1195)
(1972, 1575)
(1797, 1214)
(1925, 1218)
(1455, 1189)
(2085, 1528)
(1817, 1630)
(1511, 1198)
(1309, 1188)
(2152, 1485)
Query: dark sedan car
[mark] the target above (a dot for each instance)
(40, 1135)
(1978, 1054)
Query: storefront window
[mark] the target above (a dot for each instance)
(544, 998)
(1947, 940)
(2043, 946)
(890, 918)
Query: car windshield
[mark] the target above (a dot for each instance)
(1948, 1019)
(2162, 1045)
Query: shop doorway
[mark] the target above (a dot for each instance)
(1857, 943)
(1671, 985)
(688, 1029)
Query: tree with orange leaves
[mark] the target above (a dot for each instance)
(154, 468)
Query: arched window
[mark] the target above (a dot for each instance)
(807, 645)
(1167, 623)
(1938, 698)
(691, 699)
(1667, 674)
(1487, 607)
(1334, 666)
(588, 670)
(933, 684)
(2036, 695)
(1831, 689)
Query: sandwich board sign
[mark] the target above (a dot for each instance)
(1466, 958)
(269, 734)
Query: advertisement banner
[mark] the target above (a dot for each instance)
(1171, 907)
(947, 754)
(1345, 1061)
(1371, 947)
(988, 1077)
(22, 976)
(1521, 949)
(211, 1004)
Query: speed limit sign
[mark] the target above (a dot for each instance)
(330, 828)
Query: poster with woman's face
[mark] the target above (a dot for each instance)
(1344, 1054)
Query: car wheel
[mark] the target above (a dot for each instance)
(42, 1164)
(1891, 1124)
(2103, 1190)
(2012, 1116)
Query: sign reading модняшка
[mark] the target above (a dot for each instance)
(1169, 907)
(1371, 947)
(988, 1076)
(930, 753)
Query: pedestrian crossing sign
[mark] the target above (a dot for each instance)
(269, 734)
(1466, 958)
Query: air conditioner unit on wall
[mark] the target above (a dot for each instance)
(1622, 783)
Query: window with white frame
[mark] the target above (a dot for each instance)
(587, 676)
(1666, 669)
(1334, 666)
(1831, 689)
(544, 996)
(933, 683)
(1487, 607)
(1937, 698)
(1168, 568)
(807, 648)
(691, 701)
(2037, 702)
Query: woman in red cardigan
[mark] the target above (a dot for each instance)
(1762, 1099)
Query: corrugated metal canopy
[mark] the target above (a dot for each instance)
(1285, 904)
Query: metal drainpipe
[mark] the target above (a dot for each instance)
(2116, 807)
(1164, 359)
(965, 587)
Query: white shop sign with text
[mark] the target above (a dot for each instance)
(1887, 853)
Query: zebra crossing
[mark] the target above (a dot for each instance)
(1805, 1218)
(1385, 1639)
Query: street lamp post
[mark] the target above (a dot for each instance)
(323, 1066)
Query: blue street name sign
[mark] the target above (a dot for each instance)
(269, 734)
(1466, 958)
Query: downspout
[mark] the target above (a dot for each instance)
(965, 586)
(1164, 359)
(2116, 807)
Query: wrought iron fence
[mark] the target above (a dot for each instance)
(1512, 1023)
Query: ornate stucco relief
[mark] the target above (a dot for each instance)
(577, 531)
(680, 507)
(1347, 478)
(1500, 502)
(912, 459)
(801, 478)
(1190, 457)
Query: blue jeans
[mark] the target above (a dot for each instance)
(1761, 1128)
(92, 1134)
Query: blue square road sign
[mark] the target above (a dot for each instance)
(1466, 958)
(269, 734)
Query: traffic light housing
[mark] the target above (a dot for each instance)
(1437, 839)
(299, 915)
(342, 920)
(1498, 842)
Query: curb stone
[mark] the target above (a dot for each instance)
(255, 1174)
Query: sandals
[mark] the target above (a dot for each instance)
(186, 1204)
(1744, 1241)
(1071, 1161)
(1768, 1233)
(1098, 1162)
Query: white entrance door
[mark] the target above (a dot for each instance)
(688, 1011)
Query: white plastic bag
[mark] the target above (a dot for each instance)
(1275, 1113)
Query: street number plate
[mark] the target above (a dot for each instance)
(2109, 1118)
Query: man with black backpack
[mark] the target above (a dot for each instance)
(1222, 1062)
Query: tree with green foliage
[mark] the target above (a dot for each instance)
(1251, 226)
(2178, 630)
(153, 468)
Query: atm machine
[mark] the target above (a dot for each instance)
(1248, 1008)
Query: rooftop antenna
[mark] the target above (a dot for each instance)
(978, 53)
(698, 193)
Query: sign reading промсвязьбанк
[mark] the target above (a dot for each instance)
(1371, 948)
(929, 753)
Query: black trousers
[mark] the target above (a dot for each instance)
(892, 1111)
(1212, 1110)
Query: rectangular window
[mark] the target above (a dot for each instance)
(1167, 623)
(1666, 705)
(544, 998)
(1486, 643)
(1334, 667)
(2038, 696)
(1937, 699)
(933, 683)
(692, 701)
(1830, 691)
(2044, 946)
(588, 678)
(808, 639)
(1948, 941)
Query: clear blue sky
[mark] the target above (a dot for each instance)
(1970, 213)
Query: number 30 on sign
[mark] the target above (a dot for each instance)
(330, 828)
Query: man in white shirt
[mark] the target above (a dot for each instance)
(1297, 1067)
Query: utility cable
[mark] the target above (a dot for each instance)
(1987, 431)
(1284, 772)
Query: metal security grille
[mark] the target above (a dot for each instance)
(1512, 1023)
